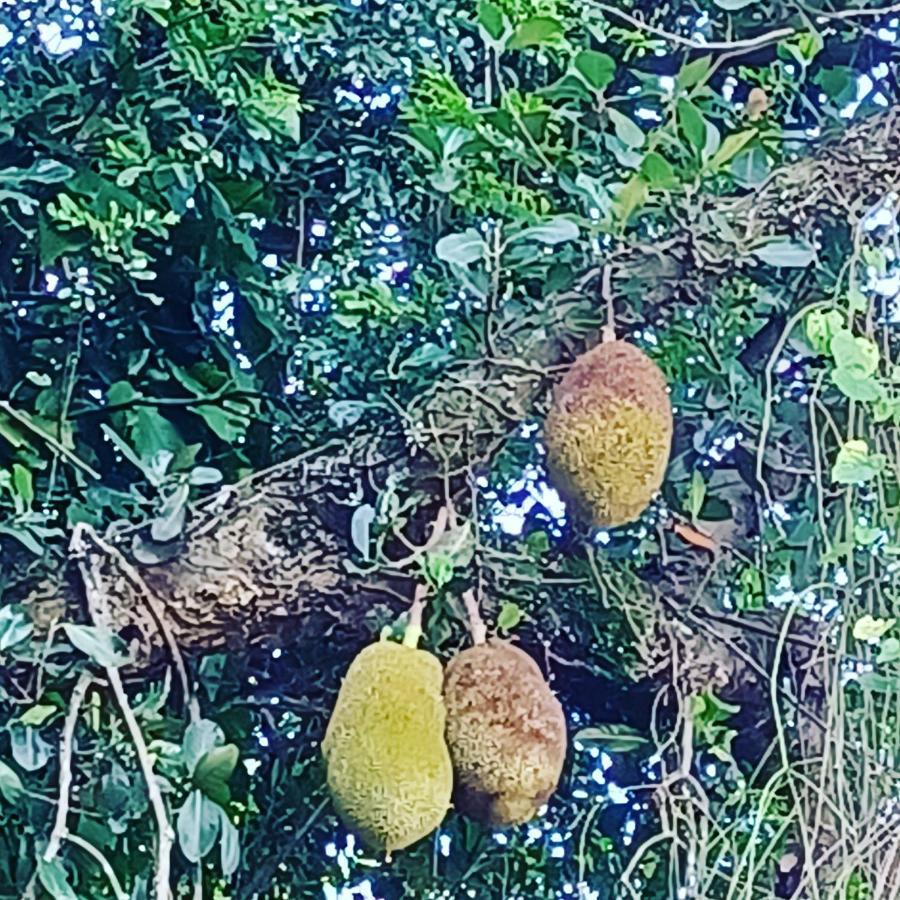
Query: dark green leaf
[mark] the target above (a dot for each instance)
(597, 69)
(691, 124)
(213, 771)
(490, 17)
(535, 31)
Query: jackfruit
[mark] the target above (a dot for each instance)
(389, 771)
(609, 433)
(506, 732)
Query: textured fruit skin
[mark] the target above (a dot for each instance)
(506, 732)
(389, 770)
(609, 433)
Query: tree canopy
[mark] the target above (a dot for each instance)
(284, 294)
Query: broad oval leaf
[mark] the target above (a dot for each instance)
(597, 69)
(100, 644)
(198, 824)
(460, 249)
(783, 252)
(535, 31)
(553, 231)
(855, 464)
(509, 616)
(490, 17)
(213, 771)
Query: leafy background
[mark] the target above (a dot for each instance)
(237, 231)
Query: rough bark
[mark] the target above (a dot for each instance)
(257, 558)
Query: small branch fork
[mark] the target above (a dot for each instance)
(97, 606)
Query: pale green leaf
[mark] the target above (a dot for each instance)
(856, 465)
(868, 628)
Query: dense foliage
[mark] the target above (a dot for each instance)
(375, 235)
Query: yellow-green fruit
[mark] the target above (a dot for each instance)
(389, 771)
(506, 732)
(609, 432)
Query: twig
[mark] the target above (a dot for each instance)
(166, 836)
(101, 861)
(760, 40)
(25, 420)
(66, 748)
(153, 602)
(414, 624)
(476, 623)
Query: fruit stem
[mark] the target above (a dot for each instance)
(608, 332)
(414, 623)
(476, 623)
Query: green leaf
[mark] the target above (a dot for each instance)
(199, 738)
(597, 69)
(692, 124)
(360, 525)
(693, 72)
(783, 252)
(535, 31)
(509, 616)
(630, 198)
(490, 17)
(733, 5)
(888, 651)
(29, 749)
(37, 715)
(821, 326)
(169, 521)
(23, 483)
(853, 384)
(553, 231)
(213, 771)
(15, 626)
(657, 172)
(629, 133)
(198, 824)
(696, 494)
(852, 352)
(11, 786)
(438, 569)
(202, 475)
(54, 880)
(730, 147)
(229, 845)
(868, 628)
(838, 83)
(616, 738)
(460, 249)
(100, 644)
(856, 465)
